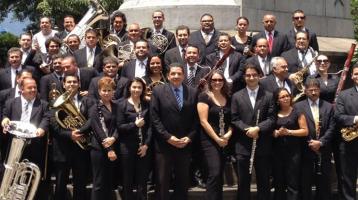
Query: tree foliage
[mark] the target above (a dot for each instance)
(354, 13)
(56, 9)
(7, 40)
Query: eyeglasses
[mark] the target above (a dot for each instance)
(217, 80)
(297, 18)
(322, 61)
(251, 75)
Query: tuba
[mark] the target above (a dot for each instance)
(349, 133)
(69, 117)
(95, 13)
(21, 179)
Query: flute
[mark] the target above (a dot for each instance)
(253, 148)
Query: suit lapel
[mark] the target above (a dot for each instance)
(259, 99)
(307, 109)
(17, 110)
(247, 99)
(35, 108)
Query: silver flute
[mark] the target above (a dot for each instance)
(140, 133)
(253, 148)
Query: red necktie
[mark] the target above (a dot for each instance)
(270, 41)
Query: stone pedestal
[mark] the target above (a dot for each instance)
(183, 12)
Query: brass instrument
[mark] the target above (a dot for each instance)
(21, 179)
(95, 13)
(69, 117)
(54, 93)
(300, 78)
(158, 40)
(349, 133)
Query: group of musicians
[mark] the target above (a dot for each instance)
(162, 113)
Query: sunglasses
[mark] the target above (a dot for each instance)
(217, 80)
(297, 18)
(322, 61)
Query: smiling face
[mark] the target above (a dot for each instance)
(69, 23)
(252, 78)
(355, 75)
(284, 98)
(14, 59)
(29, 89)
(224, 42)
(136, 89)
(322, 64)
(207, 23)
(216, 82)
(155, 65)
(45, 25)
(192, 55)
(301, 41)
(158, 19)
(106, 93)
(176, 76)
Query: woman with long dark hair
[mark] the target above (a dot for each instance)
(214, 113)
(290, 128)
(134, 140)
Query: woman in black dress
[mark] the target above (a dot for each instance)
(104, 136)
(154, 75)
(214, 113)
(290, 128)
(134, 140)
(241, 41)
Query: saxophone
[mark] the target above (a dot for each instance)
(21, 179)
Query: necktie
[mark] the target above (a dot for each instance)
(206, 38)
(177, 96)
(16, 72)
(25, 115)
(315, 113)
(252, 98)
(266, 70)
(191, 77)
(60, 79)
(270, 41)
(90, 58)
(304, 61)
(183, 53)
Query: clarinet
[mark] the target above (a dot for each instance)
(221, 122)
(318, 163)
(101, 120)
(140, 133)
(253, 148)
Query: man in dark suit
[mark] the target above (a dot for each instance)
(68, 25)
(177, 54)
(27, 52)
(85, 75)
(317, 149)
(119, 25)
(277, 41)
(158, 20)
(85, 57)
(346, 115)
(300, 56)
(73, 42)
(53, 80)
(298, 21)
(262, 58)
(137, 67)
(66, 153)
(110, 69)
(28, 108)
(233, 65)
(279, 77)
(206, 38)
(253, 117)
(193, 72)
(8, 75)
(174, 121)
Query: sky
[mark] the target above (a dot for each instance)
(13, 26)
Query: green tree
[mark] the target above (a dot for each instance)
(56, 9)
(7, 40)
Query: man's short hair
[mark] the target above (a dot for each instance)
(206, 14)
(110, 59)
(53, 39)
(312, 82)
(175, 64)
(27, 34)
(13, 50)
(91, 31)
(305, 32)
(182, 27)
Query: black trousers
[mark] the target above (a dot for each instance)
(310, 175)
(286, 172)
(349, 164)
(215, 160)
(102, 169)
(262, 168)
(79, 164)
(179, 161)
(134, 172)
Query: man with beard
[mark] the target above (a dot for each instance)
(177, 54)
(206, 38)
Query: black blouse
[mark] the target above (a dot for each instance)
(241, 46)
(289, 122)
(98, 111)
(213, 115)
(125, 122)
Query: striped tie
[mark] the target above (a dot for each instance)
(191, 77)
(177, 96)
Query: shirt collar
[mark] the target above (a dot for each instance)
(310, 102)
(210, 33)
(267, 33)
(173, 88)
(160, 30)
(18, 69)
(23, 100)
(255, 90)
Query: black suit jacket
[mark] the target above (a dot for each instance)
(5, 76)
(269, 83)
(173, 56)
(346, 107)
(280, 42)
(63, 146)
(121, 87)
(46, 85)
(291, 37)
(86, 75)
(291, 57)
(205, 49)
(81, 56)
(167, 119)
(128, 69)
(35, 151)
(199, 74)
(254, 60)
(236, 67)
(328, 92)
(244, 116)
(327, 124)
(61, 35)
(4, 96)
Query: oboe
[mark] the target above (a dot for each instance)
(140, 133)
(221, 122)
(318, 163)
(253, 148)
